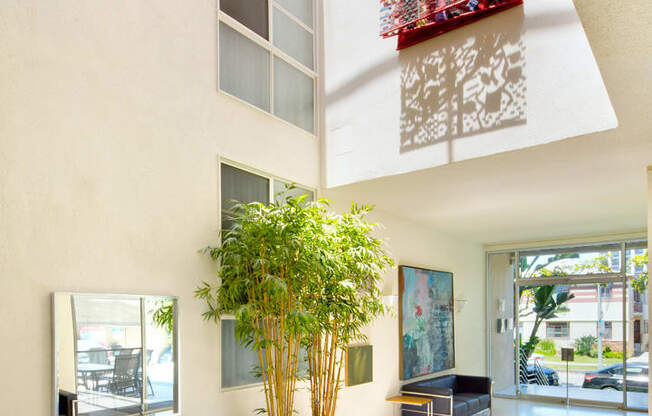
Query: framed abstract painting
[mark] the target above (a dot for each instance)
(426, 322)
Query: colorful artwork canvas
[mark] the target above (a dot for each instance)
(425, 322)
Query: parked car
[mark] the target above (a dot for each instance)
(611, 378)
(551, 375)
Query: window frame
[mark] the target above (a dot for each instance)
(272, 180)
(606, 331)
(560, 324)
(274, 51)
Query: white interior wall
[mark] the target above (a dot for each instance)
(558, 84)
(412, 244)
(110, 132)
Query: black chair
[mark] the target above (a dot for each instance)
(67, 402)
(453, 395)
(124, 380)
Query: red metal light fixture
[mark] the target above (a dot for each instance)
(414, 21)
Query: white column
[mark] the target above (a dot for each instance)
(649, 239)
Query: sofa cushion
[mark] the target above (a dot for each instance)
(472, 402)
(461, 408)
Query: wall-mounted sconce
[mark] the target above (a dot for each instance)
(391, 301)
(460, 302)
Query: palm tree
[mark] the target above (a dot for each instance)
(548, 302)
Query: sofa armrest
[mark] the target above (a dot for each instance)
(473, 384)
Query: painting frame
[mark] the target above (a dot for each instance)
(409, 272)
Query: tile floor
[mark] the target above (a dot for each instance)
(507, 407)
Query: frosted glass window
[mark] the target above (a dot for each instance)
(238, 362)
(302, 9)
(244, 68)
(293, 95)
(240, 185)
(251, 13)
(293, 39)
(280, 192)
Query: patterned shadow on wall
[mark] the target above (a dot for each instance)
(455, 86)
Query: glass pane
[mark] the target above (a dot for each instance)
(244, 68)
(293, 39)
(108, 333)
(501, 312)
(293, 95)
(242, 186)
(238, 362)
(584, 317)
(638, 346)
(302, 9)
(159, 383)
(251, 13)
(280, 192)
(568, 262)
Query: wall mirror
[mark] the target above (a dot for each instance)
(115, 355)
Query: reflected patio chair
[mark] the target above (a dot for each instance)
(124, 380)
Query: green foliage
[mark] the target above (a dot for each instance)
(585, 345)
(288, 271)
(639, 283)
(546, 302)
(612, 354)
(163, 315)
(547, 347)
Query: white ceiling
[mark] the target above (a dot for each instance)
(585, 185)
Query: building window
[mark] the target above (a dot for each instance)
(239, 184)
(267, 58)
(557, 330)
(607, 331)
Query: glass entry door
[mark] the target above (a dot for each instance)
(585, 317)
(592, 299)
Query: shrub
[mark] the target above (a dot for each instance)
(547, 347)
(585, 345)
(613, 354)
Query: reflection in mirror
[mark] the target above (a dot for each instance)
(115, 354)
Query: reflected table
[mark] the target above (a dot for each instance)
(92, 372)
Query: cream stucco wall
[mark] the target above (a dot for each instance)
(539, 53)
(110, 133)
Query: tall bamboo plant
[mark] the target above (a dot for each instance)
(344, 298)
(264, 263)
(296, 276)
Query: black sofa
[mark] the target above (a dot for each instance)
(452, 395)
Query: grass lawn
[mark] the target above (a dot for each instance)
(581, 363)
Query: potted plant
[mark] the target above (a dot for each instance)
(295, 276)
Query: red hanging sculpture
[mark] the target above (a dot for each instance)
(414, 21)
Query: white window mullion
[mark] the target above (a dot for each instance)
(296, 19)
(244, 30)
(270, 23)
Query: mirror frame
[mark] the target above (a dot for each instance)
(175, 351)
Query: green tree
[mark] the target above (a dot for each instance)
(547, 302)
(639, 282)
